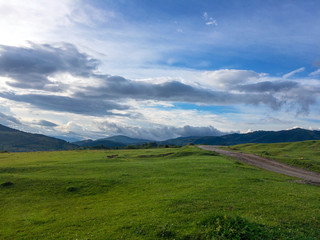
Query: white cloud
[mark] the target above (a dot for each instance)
(156, 132)
(28, 20)
(290, 74)
(226, 78)
(48, 21)
(315, 73)
(209, 20)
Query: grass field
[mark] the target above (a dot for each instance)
(184, 193)
(304, 154)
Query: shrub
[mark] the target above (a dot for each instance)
(7, 184)
(223, 227)
(71, 189)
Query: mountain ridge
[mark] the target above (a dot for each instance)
(293, 135)
(113, 141)
(14, 140)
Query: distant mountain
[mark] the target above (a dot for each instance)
(17, 141)
(127, 140)
(114, 141)
(99, 142)
(294, 135)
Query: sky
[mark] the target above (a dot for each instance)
(79, 69)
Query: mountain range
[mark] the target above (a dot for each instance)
(17, 141)
(114, 141)
(293, 135)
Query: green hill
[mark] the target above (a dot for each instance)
(13, 140)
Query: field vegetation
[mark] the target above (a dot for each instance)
(167, 193)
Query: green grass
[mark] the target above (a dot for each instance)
(184, 193)
(304, 154)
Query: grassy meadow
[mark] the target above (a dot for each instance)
(304, 154)
(183, 193)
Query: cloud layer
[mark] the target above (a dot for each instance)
(32, 67)
(159, 132)
(60, 79)
(38, 66)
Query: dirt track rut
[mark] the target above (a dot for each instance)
(268, 164)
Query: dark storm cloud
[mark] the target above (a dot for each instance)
(267, 86)
(92, 107)
(30, 67)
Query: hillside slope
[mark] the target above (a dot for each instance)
(17, 141)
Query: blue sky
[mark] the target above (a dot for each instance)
(264, 36)
(158, 69)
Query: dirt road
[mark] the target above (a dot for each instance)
(271, 165)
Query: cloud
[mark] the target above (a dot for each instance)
(45, 67)
(290, 74)
(157, 132)
(228, 78)
(32, 20)
(315, 73)
(295, 95)
(93, 107)
(209, 20)
(45, 123)
(273, 120)
(31, 67)
(8, 120)
(302, 98)
(198, 131)
(268, 86)
(115, 87)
